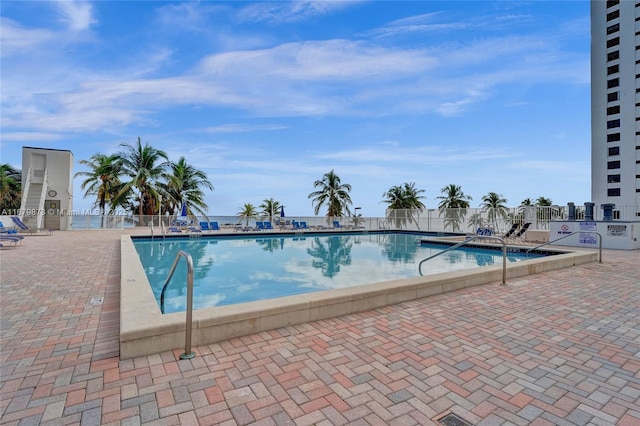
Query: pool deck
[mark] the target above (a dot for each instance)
(555, 348)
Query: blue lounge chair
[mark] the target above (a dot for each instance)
(24, 228)
(174, 229)
(295, 224)
(260, 226)
(194, 229)
(303, 225)
(13, 240)
(268, 226)
(214, 226)
(204, 226)
(5, 230)
(336, 224)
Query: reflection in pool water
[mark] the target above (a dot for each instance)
(229, 270)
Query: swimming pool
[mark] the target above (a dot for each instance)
(144, 330)
(231, 270)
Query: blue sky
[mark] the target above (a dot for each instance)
(266, 97)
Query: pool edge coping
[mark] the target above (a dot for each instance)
(145, 331)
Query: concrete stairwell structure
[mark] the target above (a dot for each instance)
(47, 188)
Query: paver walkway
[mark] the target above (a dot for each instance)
(558, 348)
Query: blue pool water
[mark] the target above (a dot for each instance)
(229, 270)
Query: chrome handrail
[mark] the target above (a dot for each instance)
(468, 240)
(188, 353)
(568, 235)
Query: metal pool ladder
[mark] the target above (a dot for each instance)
(188, 353)
(468, 240)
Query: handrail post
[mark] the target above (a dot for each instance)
(188, 353)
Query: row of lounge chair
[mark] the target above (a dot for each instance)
(9, 237)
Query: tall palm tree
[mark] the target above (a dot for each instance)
(406, 198)
(495, 206)
(184, 185)
(269, 207)
(144, 166)
(248, 211)
(102, 180)
(333, 193)
(526, 202)
(454, 204)
(10, 188)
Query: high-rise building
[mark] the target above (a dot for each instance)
(615, 106)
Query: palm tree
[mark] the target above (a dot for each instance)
(10, 188)
(454, 205)
(184, 185)
(269, 208)
(248, 211)
(406, 198)
(543, 202)
(494, 205)
(333, 193)
(526, 202)
(145, 166)
(102, 179)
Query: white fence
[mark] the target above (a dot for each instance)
(428, 220)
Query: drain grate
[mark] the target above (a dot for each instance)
(453, 420)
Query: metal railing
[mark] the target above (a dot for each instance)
(567, 236)
(188, 353)
(468, 240)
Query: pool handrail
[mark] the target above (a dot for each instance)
(468, 240)
(568, 235)
(188, 353)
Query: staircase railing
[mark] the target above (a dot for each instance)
(25, 193)
(188, 353)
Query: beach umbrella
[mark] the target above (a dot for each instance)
(281, 211)
(184, 210)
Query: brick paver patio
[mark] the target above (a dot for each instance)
(558, 348)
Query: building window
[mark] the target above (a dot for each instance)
(613, 179)
(611, 165)
(616, 214)
(613, 137)
(613, 29)
(612, 124)
(613, 192)
(613, 42)
(612, 56)
(613, 69)
(613, 15)
(614, 150)
(611, 97)
(614, 82)
(611, 3)
(613, 110)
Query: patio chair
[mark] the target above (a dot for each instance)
(260, 226)
(303, 225)
(295, 224)
(24, 228)
(214, 226)
(268, 226)
(174, 229)
(336, 224)
(522, 233)
(204, 226)
(511, 230)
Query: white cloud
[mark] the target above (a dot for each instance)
(77, 15)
